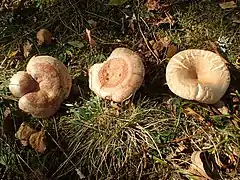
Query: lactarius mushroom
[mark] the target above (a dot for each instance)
(118, 77)
(43, 87)
(198, 75)
(44, 36)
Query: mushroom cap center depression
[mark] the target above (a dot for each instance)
(113, 72)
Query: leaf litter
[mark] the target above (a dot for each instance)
(32, 137)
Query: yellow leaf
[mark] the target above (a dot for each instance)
(190, 112)
(12, 54)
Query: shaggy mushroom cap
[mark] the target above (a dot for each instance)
(198, 75)
(118, 77)
(43, 87)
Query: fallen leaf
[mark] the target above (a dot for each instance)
(201, 164)
(164, 40)
(181, 147)
(8, 124)
(24, 132)
(90, 40)
(37, 141)
(76, 44)
(228, 5)
(159, 44)
(152, 5)
(221, 107)
(190, 112)
(13, 54)
(116, 2)
(171, 51)
(27, 47)
(44, 36)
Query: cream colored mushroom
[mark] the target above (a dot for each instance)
(118, 77)
(198, 75)
(43, 87)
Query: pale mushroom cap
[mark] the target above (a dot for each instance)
(198, 75)
(118, 77)
(54, 85)
(21, 83)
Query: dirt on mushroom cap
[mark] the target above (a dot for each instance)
(198, 75)
(118, 77)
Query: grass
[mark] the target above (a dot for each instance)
(147, 137)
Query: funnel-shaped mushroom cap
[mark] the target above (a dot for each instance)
(118, 77)
(52, 84)
(198, 75)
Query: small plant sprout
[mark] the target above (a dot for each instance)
(198, 75)
(118, 77)
(43, 87)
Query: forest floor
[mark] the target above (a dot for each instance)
(153, 135)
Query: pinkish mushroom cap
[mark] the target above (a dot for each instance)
(43, 87)
(118, 77)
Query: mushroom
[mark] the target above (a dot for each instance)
(43, 87)
(118, 77)
(198, 75)
(44, 36)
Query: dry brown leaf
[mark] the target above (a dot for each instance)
(190, 112)
(197, 175)
(152, 5)
(90, 40)
(228, 5)
(8, 124)
(200, 164)
(159, 44)
(181, 147)
(165, 41)
(44, 36)
(37, 141)
(171, 51)
(27, 47)
(24, 132)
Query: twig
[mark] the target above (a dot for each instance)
(145, 40)
(102, 17)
